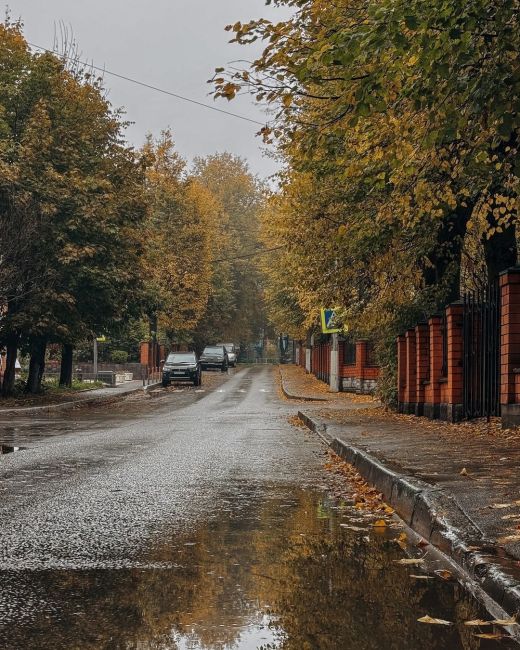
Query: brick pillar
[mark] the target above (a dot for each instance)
(410, 393)
(432, 390)
(452, 410)
(422, 349)
(145, 354)
(361, 360)
(401, 371)
(509, 345)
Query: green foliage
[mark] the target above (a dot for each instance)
(119, 356)
(398, 126)
(71, 204)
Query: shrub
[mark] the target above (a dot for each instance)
(119, 356)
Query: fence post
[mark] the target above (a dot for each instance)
(308, 353)
(432, 392)
(452, 408)
(422, 342)
(401, 372)
(510, 346)
(410, 393)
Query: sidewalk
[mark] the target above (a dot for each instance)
(81, 398)
(457, 485)
(297, 385)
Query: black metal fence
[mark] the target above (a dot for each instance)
(481, 352)
(349, 353)
(371, 359)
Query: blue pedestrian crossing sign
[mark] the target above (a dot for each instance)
(329, 323)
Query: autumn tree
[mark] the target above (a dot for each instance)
(235, 311)
(180, 234)
(71, 199)
(398, 126)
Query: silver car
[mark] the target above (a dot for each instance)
(232, 352)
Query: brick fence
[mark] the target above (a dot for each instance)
(357, 370)
(432, 357)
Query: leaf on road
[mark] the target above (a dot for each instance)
(380, 523)
(434, 621)
(505, 621)
(500, 506)
(463, 472)
(410, 561)
(491, 635)
(356, 528)
(444, 574)
(478, 622)
(401, 540)
(422, 577)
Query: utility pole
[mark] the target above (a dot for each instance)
(334, 364)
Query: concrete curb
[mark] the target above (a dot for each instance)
(299, 398)
(67, 406)
(435, 514)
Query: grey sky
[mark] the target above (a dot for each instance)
(173, 44)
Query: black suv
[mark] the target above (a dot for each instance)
(214, 356)
(182, 366)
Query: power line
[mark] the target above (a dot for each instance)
(150, 87)
(244, 257)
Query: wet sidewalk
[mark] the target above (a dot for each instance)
(81, 398)
(471, 468)
(299, 386)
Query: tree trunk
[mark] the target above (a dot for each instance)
(445, 259)
(10, 365)
(500, 250)
(67, 353)
(36, 366)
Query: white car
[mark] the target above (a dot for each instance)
(232, 353)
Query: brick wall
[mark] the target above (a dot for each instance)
(361, 376)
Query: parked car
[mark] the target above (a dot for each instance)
(232, 352)
(182, 366)
(214, 356)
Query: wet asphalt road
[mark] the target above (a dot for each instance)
(199, 519)
(96, 497)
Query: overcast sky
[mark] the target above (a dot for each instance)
(172, 44)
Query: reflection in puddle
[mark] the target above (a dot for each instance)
(271, 571)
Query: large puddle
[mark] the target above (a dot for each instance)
(280, 568)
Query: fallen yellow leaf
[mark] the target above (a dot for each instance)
(410, 561)
(380, 523)
(444, 574)
(505, 621)
(423, 577)
(401, 540)
(434, 621)
(478, 623)
(464, 472)
(491, 635)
